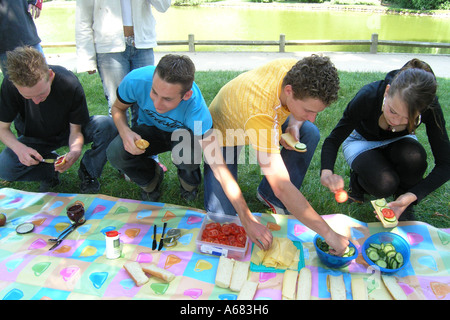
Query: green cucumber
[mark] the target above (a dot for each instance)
(399, 258)
(381, 202)
(373, 256)
(385, 255)
(300, 146)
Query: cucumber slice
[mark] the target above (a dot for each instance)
(380, 202)
(373, 256)
(393, 264)
(375, 246)
(391, 254)
(300, 146)
(390, 219)
(381, 263)
(399, 258)
(388, 247)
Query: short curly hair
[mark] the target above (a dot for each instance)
(26, 66)
(314, 77)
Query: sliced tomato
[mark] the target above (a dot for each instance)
(213, 233)
(388, 213)
(226, 229)
(212, 225)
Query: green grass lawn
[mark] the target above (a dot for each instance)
(434, 209)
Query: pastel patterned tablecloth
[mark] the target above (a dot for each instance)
(78, 268)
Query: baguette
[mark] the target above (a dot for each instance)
(304, 285)
(239, 275)
(359, 289)
(394, 288)
(289, 285)
(224, 272)
(248, 291)
(135, 271)
(293, 143)
(336, 286)
(158, 272)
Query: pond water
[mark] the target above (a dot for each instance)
(56, 24)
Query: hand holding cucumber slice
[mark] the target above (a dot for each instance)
(293, 143)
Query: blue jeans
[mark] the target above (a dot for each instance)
(141, 168)
(113, 67)
(100, 131)
(297, 164)
(3, 57)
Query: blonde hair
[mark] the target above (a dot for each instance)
(26, 66)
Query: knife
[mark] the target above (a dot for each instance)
(48, 160)
(154, 237)
(162, 237)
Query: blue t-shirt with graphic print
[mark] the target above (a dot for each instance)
(192, 114)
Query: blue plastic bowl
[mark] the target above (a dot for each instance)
(397, 241)
(332, 261)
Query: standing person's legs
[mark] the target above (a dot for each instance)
(112, 67)
(297, 164)
(138, 58)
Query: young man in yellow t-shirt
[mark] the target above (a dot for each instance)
(255, 108)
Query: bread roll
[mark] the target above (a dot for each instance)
(336, 286)
(248, 290)
(304, 285)
(359, 289)
(394, 288)
(289, 285)
(135, 271)
(157, 272)
(239, 275)
(142, 144)
(224, 272)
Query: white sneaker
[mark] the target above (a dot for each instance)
(274, 208)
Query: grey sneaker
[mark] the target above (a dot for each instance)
(88, 184)
(275, 209)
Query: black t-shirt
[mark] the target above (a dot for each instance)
(50, 119)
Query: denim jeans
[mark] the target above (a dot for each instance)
(100, 131)
(141, 168)
(297, 164)
(3, 57)
(113, 67)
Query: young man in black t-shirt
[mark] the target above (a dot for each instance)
(49, 110)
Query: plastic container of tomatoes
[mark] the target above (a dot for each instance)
(222, 235)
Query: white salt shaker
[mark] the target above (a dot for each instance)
(112, 245)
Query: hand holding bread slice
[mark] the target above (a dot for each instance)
(293, 143)
(141, 144)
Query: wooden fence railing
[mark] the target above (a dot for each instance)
(374, 42)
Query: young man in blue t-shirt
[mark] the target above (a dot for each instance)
(173, 116)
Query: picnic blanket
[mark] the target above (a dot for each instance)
(79, 269)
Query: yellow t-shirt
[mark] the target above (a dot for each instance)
(247, 110)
